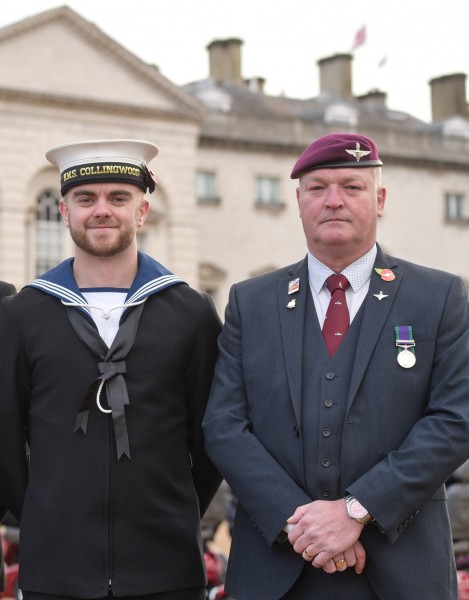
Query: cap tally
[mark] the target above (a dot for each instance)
(337, 150)
(97, 161)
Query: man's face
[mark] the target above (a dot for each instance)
(339, 209)
(103, 218)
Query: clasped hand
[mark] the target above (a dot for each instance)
(323, 534)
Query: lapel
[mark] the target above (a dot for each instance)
(292, 325)
(376, 312)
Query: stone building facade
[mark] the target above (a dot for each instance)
(225, 208)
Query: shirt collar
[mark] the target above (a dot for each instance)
(357, 273)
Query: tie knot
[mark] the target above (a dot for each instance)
(337, 282)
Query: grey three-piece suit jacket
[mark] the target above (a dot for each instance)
(286, 425)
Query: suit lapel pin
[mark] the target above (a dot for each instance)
(294, 286)
(385, 274)
(380, 296)
(291, 304)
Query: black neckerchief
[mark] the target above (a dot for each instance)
(111, 370)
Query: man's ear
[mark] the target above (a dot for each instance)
(143, 210)
(63, 211)
(381, 200)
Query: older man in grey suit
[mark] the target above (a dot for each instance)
(340, 406)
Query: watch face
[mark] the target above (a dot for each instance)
(357, 510)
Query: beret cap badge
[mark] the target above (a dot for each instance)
(357, 152)
(335, 151)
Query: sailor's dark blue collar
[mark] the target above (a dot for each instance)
(60, 282)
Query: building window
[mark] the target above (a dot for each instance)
(205, 188)
(457, 209)
(50, 233)
(268, 192)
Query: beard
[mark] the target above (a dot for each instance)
(106, 245)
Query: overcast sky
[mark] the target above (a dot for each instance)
(283, 40)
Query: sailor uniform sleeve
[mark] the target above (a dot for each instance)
(199, 378)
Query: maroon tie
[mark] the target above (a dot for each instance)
(337, 317)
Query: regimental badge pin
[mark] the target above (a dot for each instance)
(357, 153)
(294, 286)
(380, 296)
(291, 304)
(385, 274)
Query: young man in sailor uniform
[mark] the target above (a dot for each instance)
(103, 385)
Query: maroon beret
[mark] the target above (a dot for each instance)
(337, 150)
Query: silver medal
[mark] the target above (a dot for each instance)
(406, 359)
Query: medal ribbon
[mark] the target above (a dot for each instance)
(404, 338)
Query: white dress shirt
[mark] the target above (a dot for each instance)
(358, 274)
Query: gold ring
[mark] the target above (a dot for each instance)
(340, 563)
(307, 554)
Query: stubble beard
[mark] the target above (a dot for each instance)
(104, 247)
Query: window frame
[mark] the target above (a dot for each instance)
(206, 192)
(268, 192)
(49, 231)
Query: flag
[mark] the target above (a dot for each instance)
(360, 38)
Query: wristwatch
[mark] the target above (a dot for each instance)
(357, 511)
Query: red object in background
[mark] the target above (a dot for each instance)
(463, 585)
(360, 38)
(215, 564)
(10, 556)
(11, 582)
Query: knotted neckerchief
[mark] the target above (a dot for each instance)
(151, 278)
(111, 370)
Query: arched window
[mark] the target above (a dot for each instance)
(50, 233)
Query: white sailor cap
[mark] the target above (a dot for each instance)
(96, 161)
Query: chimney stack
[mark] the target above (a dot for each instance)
(448, 95)
(335, 75)
(225, 61)
(256, 84)
(373, 98)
